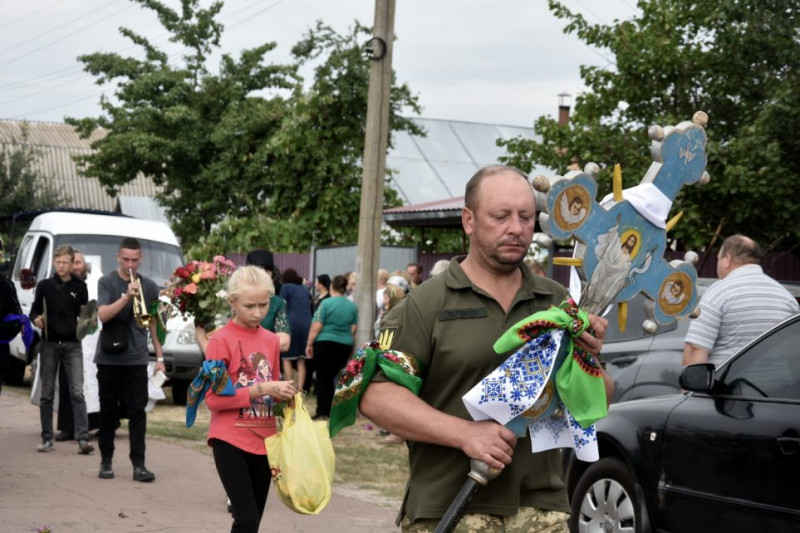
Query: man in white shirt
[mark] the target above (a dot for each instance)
(738, 308)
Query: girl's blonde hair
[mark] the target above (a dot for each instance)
(247, 277)
(394, 294)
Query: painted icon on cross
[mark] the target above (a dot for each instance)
(621, 239)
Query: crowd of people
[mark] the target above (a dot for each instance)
(283, 338)
(280, 339)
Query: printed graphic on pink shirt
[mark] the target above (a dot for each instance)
(253, 370)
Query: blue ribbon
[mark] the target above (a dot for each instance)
(27, 329)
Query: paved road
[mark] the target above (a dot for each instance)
(61, 489)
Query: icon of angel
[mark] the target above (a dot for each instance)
(673, 293)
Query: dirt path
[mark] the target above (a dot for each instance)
(61, 489)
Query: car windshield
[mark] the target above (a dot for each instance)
(159, 260)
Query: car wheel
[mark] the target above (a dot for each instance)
(179, 389)
(605, 499)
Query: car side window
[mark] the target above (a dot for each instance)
(769, 369)
(24, 248)
(41, 258)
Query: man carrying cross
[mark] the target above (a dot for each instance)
(450, 324)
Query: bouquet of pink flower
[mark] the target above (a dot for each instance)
(198, 289)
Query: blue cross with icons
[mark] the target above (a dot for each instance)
(621, 240)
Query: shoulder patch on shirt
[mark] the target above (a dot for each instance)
(455, 314)
(386, 338)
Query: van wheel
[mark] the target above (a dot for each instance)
(15, 375)
(179, 389)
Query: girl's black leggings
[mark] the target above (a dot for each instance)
(246, 478)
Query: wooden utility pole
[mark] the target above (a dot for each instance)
(379, 52)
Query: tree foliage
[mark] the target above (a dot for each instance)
(231, 160)
(22, 185)
(316, 163)
(737, 61)
(198, 135)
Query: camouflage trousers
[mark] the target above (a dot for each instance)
(527, 520)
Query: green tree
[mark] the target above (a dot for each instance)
(199, 135)
(22, 185)
(320, 145)
(737, 61)
(312, 163)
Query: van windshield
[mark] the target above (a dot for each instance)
(159, 260)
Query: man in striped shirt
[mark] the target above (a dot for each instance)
(735, 310)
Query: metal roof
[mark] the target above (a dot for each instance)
(438, 166)
(425, 170)
(142, 207)
(56, 144)
(439, 214)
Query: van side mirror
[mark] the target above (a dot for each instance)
(698, 378)
(27, 279)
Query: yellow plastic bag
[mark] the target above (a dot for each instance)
(302, 460)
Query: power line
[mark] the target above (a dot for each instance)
(253, 15)
(65, 36)
(49, 88)
(57, 106)
(51, 30)
(56, 74)
(62, 73)
(29, 15)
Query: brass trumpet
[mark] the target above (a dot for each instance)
(140, 312)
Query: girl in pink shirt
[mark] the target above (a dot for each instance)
(240, 423)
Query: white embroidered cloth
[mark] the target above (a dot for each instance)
(521, 393)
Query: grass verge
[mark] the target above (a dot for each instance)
(365, 465)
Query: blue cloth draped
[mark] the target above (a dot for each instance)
(212, 375)
(27, 329)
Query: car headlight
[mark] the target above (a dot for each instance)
(186, 335)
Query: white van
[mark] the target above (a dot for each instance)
(98, 237)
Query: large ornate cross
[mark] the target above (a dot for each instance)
(622, 239)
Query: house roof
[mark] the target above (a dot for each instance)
(440, 214)
(56, 144)
(438, 166)
(428, 172)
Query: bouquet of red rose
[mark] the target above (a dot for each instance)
(198, 289)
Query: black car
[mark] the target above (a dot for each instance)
(643, 364)
(724, 456)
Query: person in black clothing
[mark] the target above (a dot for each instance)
(322, 285)
(55, 311)
(265, 260)
(122, 357)
(9, 305)
(65, 421)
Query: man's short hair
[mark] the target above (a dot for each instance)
(129, 243)
(418, 266)
(742, 250)
(64, 249)
(471, 192)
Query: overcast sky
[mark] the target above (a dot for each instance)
(494, 61)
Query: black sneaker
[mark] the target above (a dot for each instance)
(63, 436)
(45, 446)
(140, 473)
(106, 472)
(84, 447)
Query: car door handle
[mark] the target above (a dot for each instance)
(789, 445)
(624, 360)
